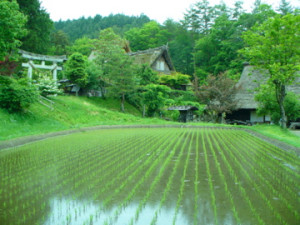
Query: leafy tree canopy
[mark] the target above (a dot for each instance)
(217, 93)
(12, 27)
(275, 47)
(151, 35)
(117, 67)
(76, 69)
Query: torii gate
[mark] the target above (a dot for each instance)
(33, 56)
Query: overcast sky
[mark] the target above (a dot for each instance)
(159, 10)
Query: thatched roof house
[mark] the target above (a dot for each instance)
(157, 58)
(250, 80)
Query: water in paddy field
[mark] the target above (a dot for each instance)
(66, 211)
(150, 176)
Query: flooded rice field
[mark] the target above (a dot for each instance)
(150, 176)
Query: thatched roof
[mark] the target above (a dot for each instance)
(183, 108)
(150, 56)
(251, 79)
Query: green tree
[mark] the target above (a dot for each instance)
(118, 71)
(285, 7)
(39, 26)
(180, 46)
(199, 18)
(76, 67)
(217, 93)
(175, 81)
(151, 35)
(83, 45)
(269, 106)
(155, 97)
(217, 52)
(275, 46)
(12, 23)
(60, 42)
(146, 75)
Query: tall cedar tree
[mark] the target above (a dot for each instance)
(39, 26)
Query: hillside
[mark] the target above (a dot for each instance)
(91, 26)
(77, 112)
(68, 113)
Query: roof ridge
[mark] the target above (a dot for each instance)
(163, 47)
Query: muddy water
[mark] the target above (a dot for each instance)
(139, 176)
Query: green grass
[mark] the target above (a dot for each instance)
(278, 133)
(76, 112)
(69, 113)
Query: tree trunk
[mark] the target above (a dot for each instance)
(280, 95)
(223, 115)
(144, 110)
(123, 103)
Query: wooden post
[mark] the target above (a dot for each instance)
(55, 72)
(29, 73)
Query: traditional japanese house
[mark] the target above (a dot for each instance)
(250, 80)
(157, 58)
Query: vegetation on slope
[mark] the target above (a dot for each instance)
(68, 113)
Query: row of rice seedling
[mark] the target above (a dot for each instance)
(288, 156)
(270, 189)
(213, 198)
(43, 193)
(97, 177)
(169, 183)
(115, 179)
(196, 182)
(270, 170)
(163, 151)
(273, 153)
(253, 183)
(183, 178)
(236, 179)
(221, 174)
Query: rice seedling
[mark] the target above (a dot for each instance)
(138, 176)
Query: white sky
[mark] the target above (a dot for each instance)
(159, 10)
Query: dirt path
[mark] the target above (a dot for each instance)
(24, 140)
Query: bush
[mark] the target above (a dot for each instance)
(47, 86)
(268, 105)
(16, 95)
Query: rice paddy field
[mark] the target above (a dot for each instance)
(150, 176)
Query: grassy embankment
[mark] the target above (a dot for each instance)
(77, 112)
(69, 113)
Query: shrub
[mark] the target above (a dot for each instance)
(16, 95)
(47, 86)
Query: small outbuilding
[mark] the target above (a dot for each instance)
(186, 112)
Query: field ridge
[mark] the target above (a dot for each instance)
(28, 139)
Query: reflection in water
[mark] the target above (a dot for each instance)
(78, 212)
(217, 181)
(75, 212)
